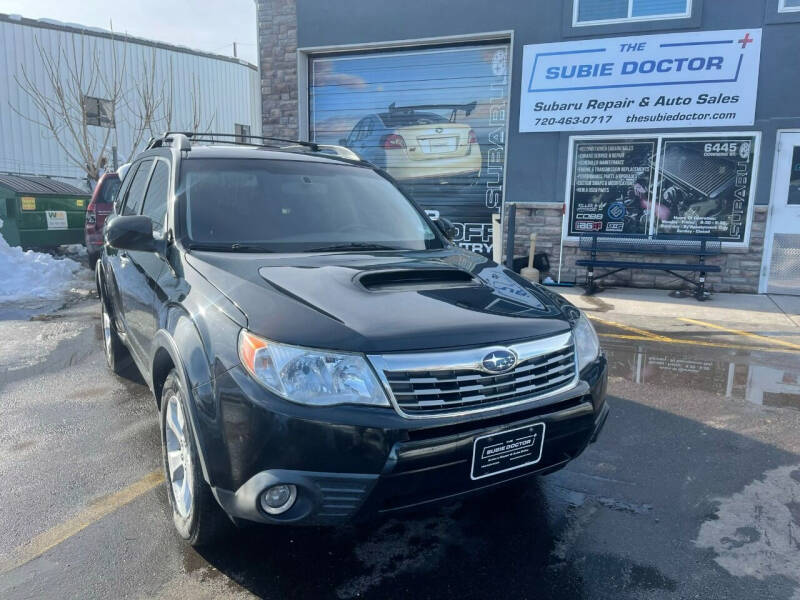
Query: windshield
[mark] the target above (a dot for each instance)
(296, 206)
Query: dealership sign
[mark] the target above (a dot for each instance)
(697, 79)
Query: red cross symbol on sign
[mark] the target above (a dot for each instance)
(746, 40)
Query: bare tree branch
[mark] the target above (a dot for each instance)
(84, 68)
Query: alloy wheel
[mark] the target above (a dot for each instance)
(106, 330)
(179, 457)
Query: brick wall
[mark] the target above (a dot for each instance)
(740, 267)
(277, 51)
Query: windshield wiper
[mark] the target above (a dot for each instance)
(351, 246)
(235, 247)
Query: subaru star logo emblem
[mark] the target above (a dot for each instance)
(499, 361)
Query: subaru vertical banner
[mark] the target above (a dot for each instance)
(694, 79)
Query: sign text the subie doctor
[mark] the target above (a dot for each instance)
(697, 79)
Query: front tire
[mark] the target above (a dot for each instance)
(117, 356)
(195, 512)
(93, 257)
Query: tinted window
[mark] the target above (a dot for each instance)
(155, 201)
(297, 205)
(133, 201)
(108, 192)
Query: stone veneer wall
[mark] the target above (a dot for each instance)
(277, 51)
(740, 267)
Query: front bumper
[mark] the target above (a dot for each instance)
(350, 470)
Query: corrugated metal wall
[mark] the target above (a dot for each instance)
(226, 93)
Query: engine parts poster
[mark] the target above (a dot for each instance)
(692, 79)
(662, 186)
(704, 187)
(611, 186)
(434, 119)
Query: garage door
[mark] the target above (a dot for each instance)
(434, 118)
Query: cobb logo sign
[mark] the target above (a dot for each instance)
(673, 80)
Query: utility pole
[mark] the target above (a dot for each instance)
(234, 50)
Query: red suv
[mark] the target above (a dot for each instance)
(99, 208)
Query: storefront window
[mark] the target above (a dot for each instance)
(434, 119)
(611, 186)
(662, 186)
(704, 187)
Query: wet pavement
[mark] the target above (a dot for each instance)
(692, 491)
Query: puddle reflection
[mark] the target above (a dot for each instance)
(757, 377)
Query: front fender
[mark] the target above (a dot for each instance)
(199, 350)
(194, 374)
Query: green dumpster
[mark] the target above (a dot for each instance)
(41, 212)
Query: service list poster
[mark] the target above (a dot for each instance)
(611, 186)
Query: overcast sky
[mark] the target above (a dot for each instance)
(209, 25)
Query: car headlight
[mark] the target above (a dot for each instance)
(587, 345)
(309, 376)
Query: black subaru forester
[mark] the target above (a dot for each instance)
(319, 350)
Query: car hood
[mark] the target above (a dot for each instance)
(382, 301)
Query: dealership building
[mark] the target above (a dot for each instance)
(621, 118)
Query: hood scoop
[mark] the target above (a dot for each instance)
(416, 280)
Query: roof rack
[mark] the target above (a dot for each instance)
(183, 139)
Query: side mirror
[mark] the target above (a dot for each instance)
(131, 233)
(446, 227)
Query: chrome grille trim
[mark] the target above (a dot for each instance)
(463, 386)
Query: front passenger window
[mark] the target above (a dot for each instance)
(133, 201)
(155, 201)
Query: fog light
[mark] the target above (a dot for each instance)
(278, 499)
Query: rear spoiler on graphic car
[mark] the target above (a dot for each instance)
(465, 108)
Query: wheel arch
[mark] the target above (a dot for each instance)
(193, 374)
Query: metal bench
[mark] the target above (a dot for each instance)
(698, 247)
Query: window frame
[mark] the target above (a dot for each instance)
(630, 18)
(101, 120)
(150, 176)
(239, 132)
(782, 8)
(141, 165)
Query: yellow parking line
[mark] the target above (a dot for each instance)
(639, 338)
(93, 513)
(641, 332)
(754, 336)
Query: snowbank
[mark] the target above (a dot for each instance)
(28, 276)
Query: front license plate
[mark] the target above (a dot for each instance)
(507, 450)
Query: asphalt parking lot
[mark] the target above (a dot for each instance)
(692, 491)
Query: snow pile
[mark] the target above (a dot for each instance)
(27, 276)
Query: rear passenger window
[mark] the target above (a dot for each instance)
(155, 201)
(135, 195)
